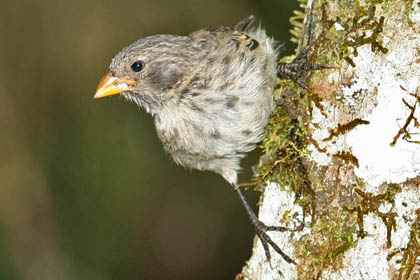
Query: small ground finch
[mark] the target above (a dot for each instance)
(211, 96)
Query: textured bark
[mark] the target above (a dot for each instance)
(342, 162)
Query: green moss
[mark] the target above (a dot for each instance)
(330, 239)
(358, 26)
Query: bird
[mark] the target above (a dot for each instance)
(210, 94)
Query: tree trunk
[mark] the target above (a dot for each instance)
(341, 161)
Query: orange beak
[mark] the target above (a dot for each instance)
(110, 85)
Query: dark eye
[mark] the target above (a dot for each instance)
(137, 66)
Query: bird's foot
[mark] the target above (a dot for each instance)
(295, 69)
(261, 230)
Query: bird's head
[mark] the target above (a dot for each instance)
(148, 71)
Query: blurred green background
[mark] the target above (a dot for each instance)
(86, 190)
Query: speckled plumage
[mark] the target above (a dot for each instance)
(210, 93)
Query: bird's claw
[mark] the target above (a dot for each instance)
(295, 69)
(261, 230)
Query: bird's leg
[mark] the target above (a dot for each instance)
(261, 230)
(295, 69)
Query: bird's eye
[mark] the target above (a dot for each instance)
(137, 66)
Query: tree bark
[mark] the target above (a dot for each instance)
(341, 161)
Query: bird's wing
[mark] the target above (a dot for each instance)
(225, 36)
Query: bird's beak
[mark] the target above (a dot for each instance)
(110, 85)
